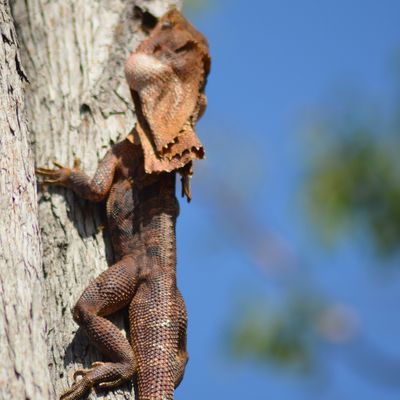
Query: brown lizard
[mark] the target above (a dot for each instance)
(167, 75)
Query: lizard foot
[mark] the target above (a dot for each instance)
(78, 389)
(56, 176)
(101, 385)
(103, 375)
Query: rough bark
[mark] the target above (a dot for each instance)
(23, 362)
(78, 104)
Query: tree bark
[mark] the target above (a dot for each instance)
(78, 104)
(24, 371)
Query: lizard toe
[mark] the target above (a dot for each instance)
(78, 390)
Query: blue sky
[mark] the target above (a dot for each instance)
(274, 63)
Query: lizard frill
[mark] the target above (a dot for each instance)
(167, 75)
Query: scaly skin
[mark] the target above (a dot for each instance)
(167, 76)
(141, 212)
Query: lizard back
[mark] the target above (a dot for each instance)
(141, 208)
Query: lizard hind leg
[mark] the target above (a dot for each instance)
(182, 356)
(110, 292)
(158, 328)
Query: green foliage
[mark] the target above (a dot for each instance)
(283, 336)
(290, 335)
(355, 181)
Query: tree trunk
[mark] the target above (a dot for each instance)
(23, 361)
(78, 105)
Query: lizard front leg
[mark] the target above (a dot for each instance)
(110, 292)
(95, 189)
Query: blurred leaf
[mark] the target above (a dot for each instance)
(283, 336)
(356, 181)
(291, 335)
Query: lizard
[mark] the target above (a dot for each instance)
(167, 75)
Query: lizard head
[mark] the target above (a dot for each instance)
(167, 75)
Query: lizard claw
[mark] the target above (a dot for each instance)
(77, 163)
(54, 176)
(57, 164)
(45, 171)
